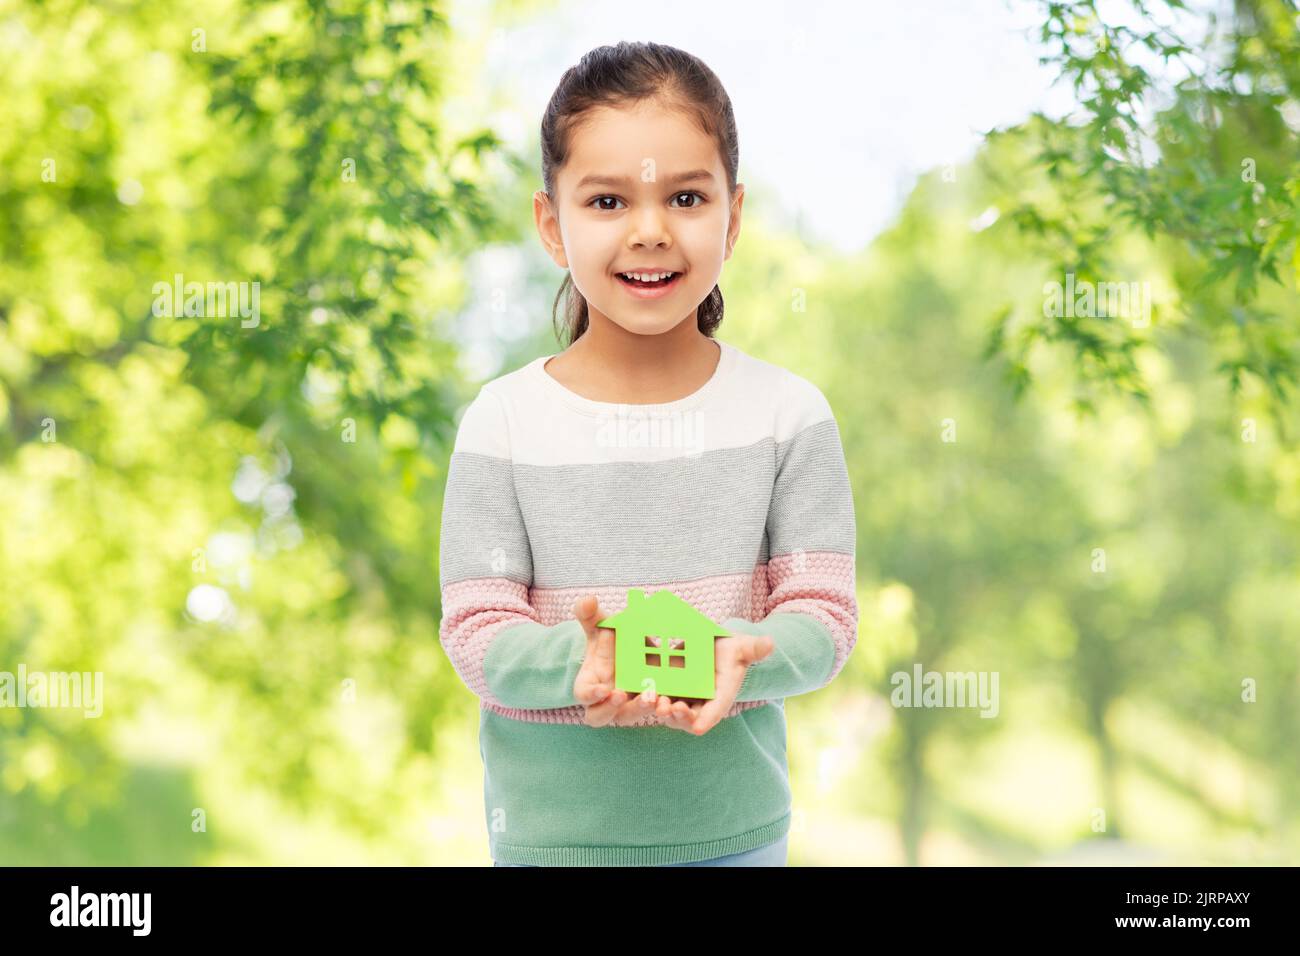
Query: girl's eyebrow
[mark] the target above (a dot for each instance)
(594, 179)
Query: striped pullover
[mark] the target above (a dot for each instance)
(736, 498)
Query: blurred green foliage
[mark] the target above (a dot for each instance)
(1211, 177)
(299, 146)
(238, 525)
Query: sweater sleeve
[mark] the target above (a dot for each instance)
(489, 629)
(812, 610)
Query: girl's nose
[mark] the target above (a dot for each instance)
(648, 228)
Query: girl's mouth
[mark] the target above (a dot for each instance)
(649, 290)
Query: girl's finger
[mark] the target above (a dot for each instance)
(587, 610)
(600, 640)
(598, 662)
(681, 716)
(709, 714)
(601, 714)
(756, 649)
(592, 690)
(637, 708)
(729, 680)
(664, 708)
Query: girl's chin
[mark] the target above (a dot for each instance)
(630, 321)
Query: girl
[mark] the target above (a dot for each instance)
(649, 455)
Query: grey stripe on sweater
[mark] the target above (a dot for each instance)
(611, 524)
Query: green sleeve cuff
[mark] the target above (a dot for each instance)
(802, 660)
(533, 667)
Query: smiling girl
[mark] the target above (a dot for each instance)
(649, 455)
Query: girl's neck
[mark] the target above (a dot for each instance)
(607, 363)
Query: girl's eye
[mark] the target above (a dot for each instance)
(600, 199)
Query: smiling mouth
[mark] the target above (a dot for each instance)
(656, 284)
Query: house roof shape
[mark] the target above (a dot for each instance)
(664, 609)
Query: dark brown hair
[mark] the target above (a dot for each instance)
(618, 75)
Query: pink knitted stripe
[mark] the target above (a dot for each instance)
(719, 596)
(818, 583)
(822, 584)
(473, 612)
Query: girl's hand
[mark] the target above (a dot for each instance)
(731, 658)
(594, 685)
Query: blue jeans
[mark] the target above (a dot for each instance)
(774, 854)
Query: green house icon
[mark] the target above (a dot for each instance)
(663, 642)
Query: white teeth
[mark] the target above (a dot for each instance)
(648, 276)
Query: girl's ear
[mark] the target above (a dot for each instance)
(733, 226)
(548, 228)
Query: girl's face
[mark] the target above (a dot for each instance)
(643, 190)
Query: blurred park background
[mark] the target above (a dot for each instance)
(236, 521)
